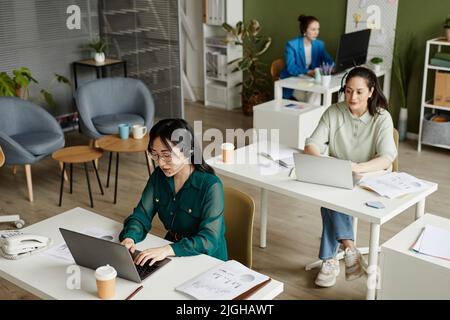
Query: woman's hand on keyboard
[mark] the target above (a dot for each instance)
(154, 254)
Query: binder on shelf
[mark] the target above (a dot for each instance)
(215, 12)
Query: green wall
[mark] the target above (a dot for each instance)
(423, 19)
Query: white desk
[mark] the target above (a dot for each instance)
(306, 83)
(46, 277)
(294, 125)
(351, 202)
(410, 275)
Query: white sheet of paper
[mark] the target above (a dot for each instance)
(61, 251)
(435, 242)
(224, 282)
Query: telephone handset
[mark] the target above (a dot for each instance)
(22, 245)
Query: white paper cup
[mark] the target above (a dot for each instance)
(105, 277)
(227, 152)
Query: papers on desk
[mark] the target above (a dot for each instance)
(62, 252)
(393, 185)
(433, 241)
(229, 280)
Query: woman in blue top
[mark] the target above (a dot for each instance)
(303, 54)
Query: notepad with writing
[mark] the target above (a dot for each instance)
(230, 280)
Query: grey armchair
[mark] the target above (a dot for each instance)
(28, 133)
(105, 103)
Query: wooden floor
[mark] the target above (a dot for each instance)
(294, 227)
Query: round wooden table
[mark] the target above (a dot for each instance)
(113, 143)
(78, 154)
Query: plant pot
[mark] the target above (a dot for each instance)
(402, 124)
(377, 67)
(250, 102)
(99, 57)
(447, 34)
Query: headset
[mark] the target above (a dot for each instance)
(343, 80)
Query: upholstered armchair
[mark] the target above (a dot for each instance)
(105, 103)
(28, 133)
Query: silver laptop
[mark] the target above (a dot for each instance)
(92, 252)
(324, 170)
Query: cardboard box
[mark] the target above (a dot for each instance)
(442, 89)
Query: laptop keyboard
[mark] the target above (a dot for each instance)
(146, 270)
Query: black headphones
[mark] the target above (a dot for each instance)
(343, 80)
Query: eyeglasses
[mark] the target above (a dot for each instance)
(166, 156)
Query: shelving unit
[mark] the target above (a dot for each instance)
(220, 82)
(147, 35)
(426, 102)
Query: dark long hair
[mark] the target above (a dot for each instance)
(305, 21)
(378, 100)
(180, 134)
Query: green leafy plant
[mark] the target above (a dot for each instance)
(403, 66)
(446, 23)
(376, 60)
(18, 85)
(97, 45)
(256, 76)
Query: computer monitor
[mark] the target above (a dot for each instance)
(352, 49)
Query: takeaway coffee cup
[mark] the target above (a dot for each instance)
(139, 131)
(105, 277)
(227, 152)
(124, 131)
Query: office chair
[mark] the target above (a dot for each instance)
(275, 68)
(11, 218)
(363, 250)
(239, 212)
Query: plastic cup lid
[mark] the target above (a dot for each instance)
(228, 146)
(104, 273)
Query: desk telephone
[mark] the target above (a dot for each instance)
(23, 245)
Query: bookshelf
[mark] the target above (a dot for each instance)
(433, 133)
(220, 83)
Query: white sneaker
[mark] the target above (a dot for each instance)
(328, 273)
(353, 267)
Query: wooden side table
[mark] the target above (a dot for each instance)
(113, 143)
(91, 63)
(78, 154)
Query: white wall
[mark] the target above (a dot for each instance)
(192, 57)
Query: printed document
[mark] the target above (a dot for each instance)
(434, 241)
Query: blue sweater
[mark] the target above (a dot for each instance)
(296, 61)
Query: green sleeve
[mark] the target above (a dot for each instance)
(139, 223)
(321, 135)
(385, 144)
(211, 228)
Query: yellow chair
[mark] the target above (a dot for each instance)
(395, 163)
(239, 212)
(275, 68)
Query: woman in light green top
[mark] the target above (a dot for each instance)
(361, 130)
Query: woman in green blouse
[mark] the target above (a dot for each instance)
(359, 129)
(184, 192)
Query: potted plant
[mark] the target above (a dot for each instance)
(18, 85)
(403, 66)
(257, 80)
(98, 46)
(446, 26)
(376, 62)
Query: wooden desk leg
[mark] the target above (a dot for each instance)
(109, 169)
(89, 184)
(372, 270)
(14, 169)
(263, 219)
(29, 182)
(117, 177)
(62, 184)
(420, 208)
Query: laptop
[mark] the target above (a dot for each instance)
(324, 170)
(92, 252)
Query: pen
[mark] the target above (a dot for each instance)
(134, 292)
